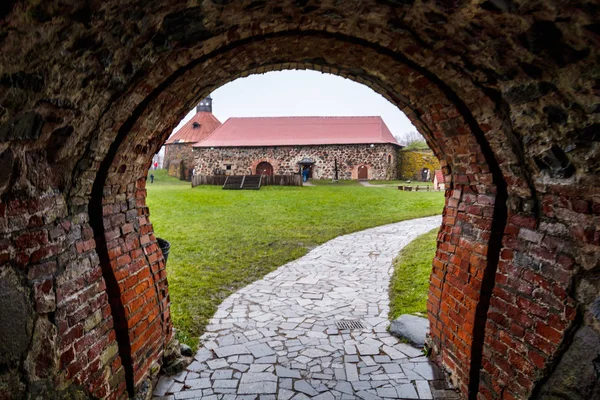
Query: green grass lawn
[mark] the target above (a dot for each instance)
(397, 182)
(328, 182)
(410, 282)
(222, 240)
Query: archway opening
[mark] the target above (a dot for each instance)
(475, 180)
(308, 206)
(264, 168)
(287, 161)
(363, 172)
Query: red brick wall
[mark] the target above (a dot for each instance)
(139, 271)
(534, 303)
(56, 253)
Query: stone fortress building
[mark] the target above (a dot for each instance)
(178, 148)
(354, 147)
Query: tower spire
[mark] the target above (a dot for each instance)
(205, 105)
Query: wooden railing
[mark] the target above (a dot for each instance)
(217, 180)
(281, 180)
(408, 188)
(267, 180)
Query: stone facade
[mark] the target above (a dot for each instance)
(182, 153)
(380, 160)
(502, 91)
(413, 161)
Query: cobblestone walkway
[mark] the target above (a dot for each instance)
(277, 338)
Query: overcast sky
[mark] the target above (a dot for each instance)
(303, 93)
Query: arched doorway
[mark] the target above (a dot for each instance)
(264, 168)
(475, 110)
(363, 172)
(425, 175)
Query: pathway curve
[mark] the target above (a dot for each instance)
(277, 338)
(366, 183)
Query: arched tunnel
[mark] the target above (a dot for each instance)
(504, 91)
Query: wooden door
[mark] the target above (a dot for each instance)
(363, 173)
(264, 168)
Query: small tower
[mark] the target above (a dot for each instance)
(205, 105)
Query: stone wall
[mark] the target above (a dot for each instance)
(183, 154)
(502, 91)
(411, 163)
(380, 160)
(176, 169)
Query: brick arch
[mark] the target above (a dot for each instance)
(470, 176)
(274, 163)
(498, 107)
(356, 167)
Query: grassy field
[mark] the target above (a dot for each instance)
(222, 240)
(410, 282)
(341, 182)
(395, 183)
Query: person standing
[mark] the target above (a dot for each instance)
(151, 178)
(155, 165)
(305, 174)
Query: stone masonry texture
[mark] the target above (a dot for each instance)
(179, 160)
(504, 92)
(284, 159)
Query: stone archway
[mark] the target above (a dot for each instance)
(90, 91)
(264, 168)
(362, 172)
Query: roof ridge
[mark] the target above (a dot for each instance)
(281, 131)
(212, 133)
(184, 135)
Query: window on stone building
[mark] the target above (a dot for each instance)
(228, 167)
(389, 158)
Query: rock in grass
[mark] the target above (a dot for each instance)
(186, 350)
(411, 327)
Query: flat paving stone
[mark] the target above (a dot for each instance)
(277, 338)
(257, 388)
(305, 387)
(235, 349)
(260, 350)
(284, 372)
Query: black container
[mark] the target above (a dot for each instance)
(165, 246)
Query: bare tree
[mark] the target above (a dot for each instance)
(413, 136)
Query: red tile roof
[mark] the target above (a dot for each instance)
(289, 131)
(196, 129)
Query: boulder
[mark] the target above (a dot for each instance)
(412, 328)
(576, 376)
(186, 350)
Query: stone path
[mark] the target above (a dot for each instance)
(277, 338)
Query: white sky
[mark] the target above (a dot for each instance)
(303, 93)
